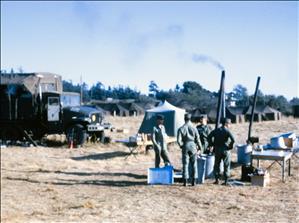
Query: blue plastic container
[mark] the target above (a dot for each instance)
(244, 154)
(160, 175)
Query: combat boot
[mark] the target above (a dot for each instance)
(185, 182)
(193, 182)
(216, 181)
(225, 182)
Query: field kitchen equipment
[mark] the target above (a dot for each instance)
(221, 101)
(244, 151)
(31, 107)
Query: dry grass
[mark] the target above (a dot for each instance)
(97, 184)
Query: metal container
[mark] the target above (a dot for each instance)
(201, 169)
(244, 151)
(210, 161)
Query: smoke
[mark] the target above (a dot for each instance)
(201, 58)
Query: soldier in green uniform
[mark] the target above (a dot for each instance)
(223, 141)
(204, 130)
(159, 138)
(188, 139)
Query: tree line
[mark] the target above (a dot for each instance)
(190, 95)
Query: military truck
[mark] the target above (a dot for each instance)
(30, 107)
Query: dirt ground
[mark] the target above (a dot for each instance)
(98, 183)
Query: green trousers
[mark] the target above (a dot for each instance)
(161, 152)
(189, 153)
(221, 154)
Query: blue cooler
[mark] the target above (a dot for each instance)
(160, 175)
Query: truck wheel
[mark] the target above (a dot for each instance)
(102, 137)
(77, 134)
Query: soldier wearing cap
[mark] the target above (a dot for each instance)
(159, 138)
(223, 141)
(204, 130)
(189, 142)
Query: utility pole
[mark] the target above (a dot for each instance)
(81, 91)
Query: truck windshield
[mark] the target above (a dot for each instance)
(70, 99)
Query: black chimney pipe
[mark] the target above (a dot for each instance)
(220, 99)
(253, 108)
(223, 114)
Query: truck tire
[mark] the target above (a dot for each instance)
(77, 134)
(101, 137)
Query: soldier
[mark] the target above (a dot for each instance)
(204, 130)
(159, 137)
(188, 139)
(223, 141)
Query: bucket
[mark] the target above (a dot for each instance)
(191, 170)
(244, 152)
(210, 160)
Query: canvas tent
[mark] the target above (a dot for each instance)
(173, 119)
(195, 114)
(236, 114)
(263, 113)
(296, 111)
(133, 108)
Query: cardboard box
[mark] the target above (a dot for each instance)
(261, 181)
(289, 142)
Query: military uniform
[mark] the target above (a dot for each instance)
(188, 139)
(204, 131)
(159, 137)
(222, 140)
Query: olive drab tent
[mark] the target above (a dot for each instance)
(173, 119)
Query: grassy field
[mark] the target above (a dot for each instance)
(97, 183)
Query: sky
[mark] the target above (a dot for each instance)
(132, 43)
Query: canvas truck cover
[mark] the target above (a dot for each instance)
(48, 82)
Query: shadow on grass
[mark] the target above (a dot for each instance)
(115, 174)
(102, 156)
(68, 182)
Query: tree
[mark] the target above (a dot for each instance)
(68, 86)
(98, 91)
(177, 88)
(283, 105)
(85, 92)
(294, 101)
(240, 95)
(190, 86)
(153, 89)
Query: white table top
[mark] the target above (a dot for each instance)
(272, 153)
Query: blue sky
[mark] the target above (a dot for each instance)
(132, 43)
